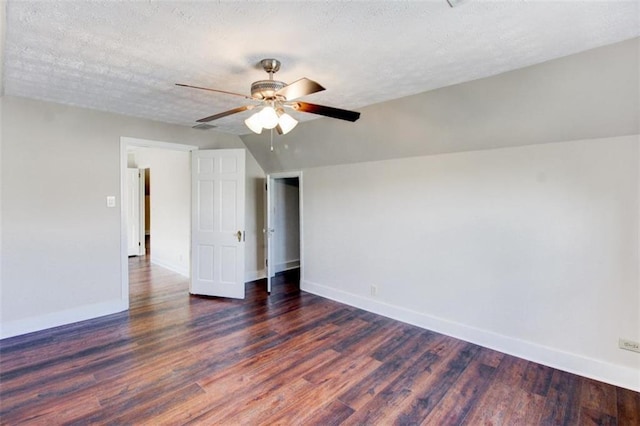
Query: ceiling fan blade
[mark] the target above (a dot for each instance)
(224, 114)
(214, 90)
(299, 88)
(327, 111)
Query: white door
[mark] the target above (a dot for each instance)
(134, 213)
(217, 222)
(269, 231)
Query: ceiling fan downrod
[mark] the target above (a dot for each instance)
(271, 66)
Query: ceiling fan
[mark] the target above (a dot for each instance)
(275, 97)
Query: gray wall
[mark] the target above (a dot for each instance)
(286, 239)
(60, 243)
(588, 95)
(3, 30)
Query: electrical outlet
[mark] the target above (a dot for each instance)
(629, 345)
(374, 290)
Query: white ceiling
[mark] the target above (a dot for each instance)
(125, 57)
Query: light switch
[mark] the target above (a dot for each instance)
(111, 201)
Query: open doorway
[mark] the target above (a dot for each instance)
(166, 227)
(165, 234)
(284, 228)
(147, 211)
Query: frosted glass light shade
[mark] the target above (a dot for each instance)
(287, 123)
(254, 123)
(268, 117)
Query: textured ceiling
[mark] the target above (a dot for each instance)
(126, 56)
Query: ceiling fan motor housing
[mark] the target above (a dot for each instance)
(266, 89)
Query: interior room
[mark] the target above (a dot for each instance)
(422, 212)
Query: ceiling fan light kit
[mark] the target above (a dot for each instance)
(269, 118)
(286, 123)
(274, 96)
(254, 123)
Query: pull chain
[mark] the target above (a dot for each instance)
(271, 140)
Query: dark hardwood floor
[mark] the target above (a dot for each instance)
(290, 358)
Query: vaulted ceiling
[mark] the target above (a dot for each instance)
(125, 57)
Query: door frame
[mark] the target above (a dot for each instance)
(267, 202)
(125, 143)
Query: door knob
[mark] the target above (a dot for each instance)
(239, 235)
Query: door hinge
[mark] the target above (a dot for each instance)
(266, 188)
(266, 262)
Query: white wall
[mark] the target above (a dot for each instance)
(3, 26)
(254, 220)
(286, 239)
(60, 243)
(531, 250)
(170, 206)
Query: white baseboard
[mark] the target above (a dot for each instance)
(595, 369)
(178, 269)
(285, 266)
(255, 275)
(55, 319)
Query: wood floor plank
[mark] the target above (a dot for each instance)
(145, 412)
(185, 412)
(285, 358)
(52, 361)
(599, 397)
(490, 357)
(148, 376)
(595, 417)
(493, 407)
(511, 371)
(430, 374)
(562, 405)
(266, 401)
(255, 391)
(57, 345)
(53, 412)
(628, 404)
(398, 341)
(331, 414)
(326, 383)
(537, 378)
(366, 389)
(458, 401)
(25, 397)
(273, 360)
(526, 408)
